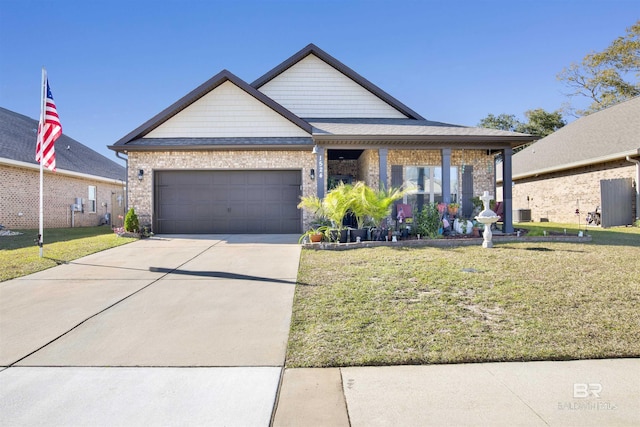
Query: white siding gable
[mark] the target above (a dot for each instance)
(227, 111)
(312, 88)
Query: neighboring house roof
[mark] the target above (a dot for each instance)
(606, 135)
(312, 49)
(18, 135)
(195, 95)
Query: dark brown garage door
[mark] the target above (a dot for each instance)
(205, 202)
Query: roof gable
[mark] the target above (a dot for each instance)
(207, 94)
(18, 143)
(314, 84)
(226, 112)
(607, 134)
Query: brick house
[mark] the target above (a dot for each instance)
(590, 162)
(81, 173)
(233, 157)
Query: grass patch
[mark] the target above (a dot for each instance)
(617, 236)
(518, 301)
(20, 256)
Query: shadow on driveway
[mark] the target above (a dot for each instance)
(219, 275)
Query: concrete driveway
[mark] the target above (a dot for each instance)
(72, 335)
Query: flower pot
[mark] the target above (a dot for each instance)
(360, 232)
(476, 232)
(341, 237)
(315, 238)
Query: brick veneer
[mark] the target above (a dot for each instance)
(20, 193)
(141, 191)
(483, 172)
(557, 195)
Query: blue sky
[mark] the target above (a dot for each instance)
(113, 65)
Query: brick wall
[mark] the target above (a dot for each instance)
(368, 167)
(141, 191)
(556, 196)
(483, 173)
(20, 199)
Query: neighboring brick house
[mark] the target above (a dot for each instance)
(588, 163)
(233, 157)
(81, 173)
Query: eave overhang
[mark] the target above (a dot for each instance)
(575, 165)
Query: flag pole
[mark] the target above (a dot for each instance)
(41, 144)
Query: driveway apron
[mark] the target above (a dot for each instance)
(120, 327)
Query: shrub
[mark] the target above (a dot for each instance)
(131, 223)
(428, 221)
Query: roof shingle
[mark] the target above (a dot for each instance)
(612, 132)
(18, 142)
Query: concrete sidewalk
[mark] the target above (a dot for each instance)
(192, 330)
(571, 393)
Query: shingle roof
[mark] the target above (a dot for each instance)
(312, 49)
(608, 134)
(18, 142)
(344, 128)
(198, 93)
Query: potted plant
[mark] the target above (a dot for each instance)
(335, 205)
(453, 208)
(314, 234)
(476, 229)
(462, 226)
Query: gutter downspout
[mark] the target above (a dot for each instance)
(126, 188)
(637, 162)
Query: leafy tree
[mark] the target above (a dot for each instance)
(501, 122)
(539, 122)
(607, 77)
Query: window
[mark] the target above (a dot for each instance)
(428, 181)
(91, 200)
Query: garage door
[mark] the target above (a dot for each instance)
(206, 202)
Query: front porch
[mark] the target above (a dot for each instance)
(470, 172)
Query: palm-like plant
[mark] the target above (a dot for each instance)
(359, 199)
(337, 203)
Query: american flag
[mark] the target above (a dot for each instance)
(49, 129)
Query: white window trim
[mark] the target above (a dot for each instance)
(95, 199)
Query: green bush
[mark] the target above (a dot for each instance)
(428, 221)
(131, 223)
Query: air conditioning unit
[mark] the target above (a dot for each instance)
(522, 215)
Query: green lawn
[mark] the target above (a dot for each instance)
(19, 255)
(517, 301)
